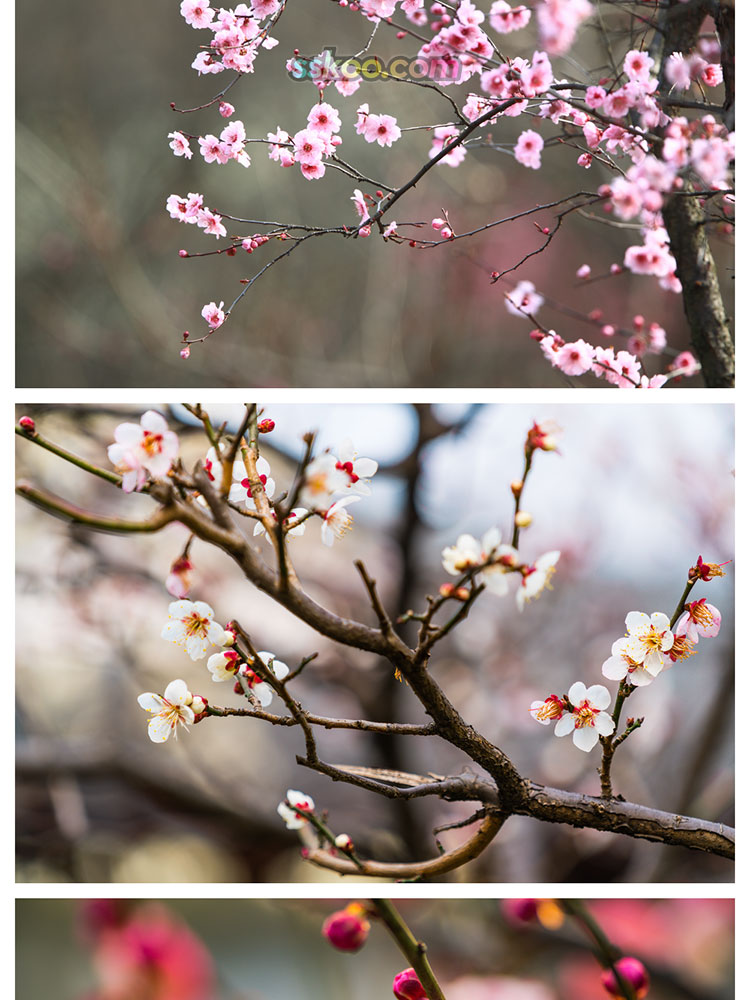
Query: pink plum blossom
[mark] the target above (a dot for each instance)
(528, 149)
(700, 619)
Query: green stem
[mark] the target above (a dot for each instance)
(413, 950)
(681, 603)
(526, 471)
(37, 438)
(605, 952)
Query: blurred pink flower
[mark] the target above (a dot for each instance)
(151, 956)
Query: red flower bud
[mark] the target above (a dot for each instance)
(632, 972)
(266, 426)
(406, 986)
(347, 929)
(28, 424)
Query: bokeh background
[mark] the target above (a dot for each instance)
(633, 497)
(256, 950)
(103, 297)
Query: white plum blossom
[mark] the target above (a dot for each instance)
(191, 625)
(548, 710)
(587, 721)
(142, 449)
(469, 552)
(536, 577)
(240, 490)
(647, 639)
(260, 688)
(170, 711)
(337, 519)
(322, 479)
(299, 801)
(620, 665)
(223, 666)
(359, 470)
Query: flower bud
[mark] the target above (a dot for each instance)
(28, 424)
(229, 637)
(198, 704)
(344, 842)
(226, 110)
(347, 929)
(406, 986)
(523, 519)
(632, 972)
(516, 487)
(266, 426)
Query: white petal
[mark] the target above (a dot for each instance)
(203, 609)
(586, 738)
(565, 725)
(196, 647)
(159, 729)
(599, 696)
(640, 677)
(180, 609)
(365, 468)
(577, 692)
(174, 631)
(264, 693)
(177, 693)
(154, 422)
(615, 668)
(636, 620)
(151, 702)
(660, 621)
(604, 724)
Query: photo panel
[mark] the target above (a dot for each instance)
(373, 948)
(448, 643)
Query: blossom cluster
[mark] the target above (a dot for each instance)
(496, 563)
(330, 483)
(652, 644)
(622, 122)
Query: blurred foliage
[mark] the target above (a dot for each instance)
(103, 297)
(632, 499)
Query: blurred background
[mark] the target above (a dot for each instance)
(103, 297)
(634, 495)
(204, 949)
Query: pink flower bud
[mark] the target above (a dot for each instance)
(28, 424)
(226, 110)
(522, 910)
(266, 426)
(438, 223)
(347, 929)
(632, 972)
(184, 253)
(185, 353)
(584, 271)
(406, 986)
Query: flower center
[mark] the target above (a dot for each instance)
(151, 443)
(652, 639)
(699, 613)
(585, 715)
(195, 625)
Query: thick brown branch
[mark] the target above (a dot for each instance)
(711, 337)
(556, 806)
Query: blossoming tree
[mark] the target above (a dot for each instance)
(232, 489)
(650, 130)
